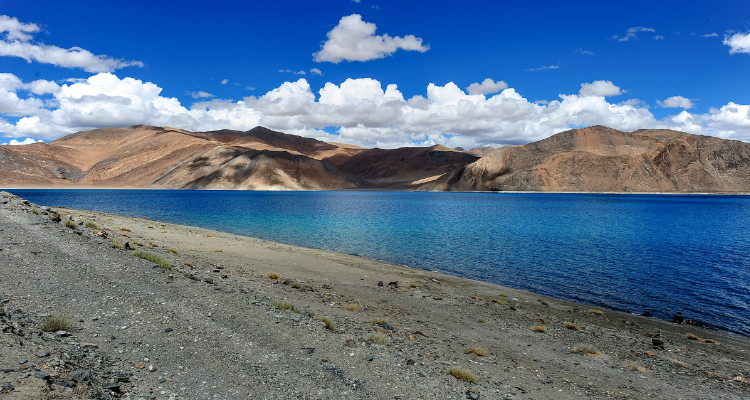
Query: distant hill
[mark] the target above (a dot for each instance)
(601, 159)
(594, 159)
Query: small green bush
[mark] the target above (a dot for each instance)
(286, 306)
(328, 321)
(70, 224)
(153, 257)
(92, 225)
(379, 338)
(36, 211)
(462, 374)
(56, 322)
(117, 244)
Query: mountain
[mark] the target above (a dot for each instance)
(601, 159)
(156, 157)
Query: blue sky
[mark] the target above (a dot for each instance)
(198, 66)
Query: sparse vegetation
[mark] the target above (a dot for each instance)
(36, 211)
(124, 234)
(379, 338)
(173, 250)
(273, 275)
(286, 306)
(709, 341)
(353, 307)
(587, 349)
(538, 328)
(150, 227)
(378, 321)
(692, 337)
(481, 320)
(153, 244)
(680, 364)
(502, 295)
(502, 303)
(135, 242)
(476, 350)
(56, 322)
(476, 297)
(571, 326)
(462, 374)
(413, 285)
(117, 244)
(328, 321)
(635, 367)
(70, 224)
(218, 250)
(92, 225)
(296, 285)
(596, 312)
(187, 264)
(153, 257)
(124, 228)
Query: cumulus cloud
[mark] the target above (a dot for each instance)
(585, 52)
(293, 72)
(738, 43)
(15, 142)
(658, 37)
(17, 43)
(199, 94)
(364, 111)
(711, 35)
(316, 71)
(543, 68)
(354, 40)
(487, 86)
(224, 81)
(600, 88)
(631, 33)
(676, 102)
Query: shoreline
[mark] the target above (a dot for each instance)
(226, 314)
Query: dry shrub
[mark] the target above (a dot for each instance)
(273, 275)
(476, 350)
(571, 326)
(462, 374)
(538, 328)
(587, 349)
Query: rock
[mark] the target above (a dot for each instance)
(88, 345)
(6, 370)
(168, 330)
(64, 384)
(6, 387)
(472, 395)
(409, 362)
(369, 358)
(115, 387)
(140, 365)
(79, 375)
(151, 368)
(657, 342)
(43, 353)
(394, 284)
(208, 280)
(161, 379)
(380, 283)
(388, 327)
(42, 375)
(327, 286)
(63, 333)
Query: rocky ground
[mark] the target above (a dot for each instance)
(236, 317)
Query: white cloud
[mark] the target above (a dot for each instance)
(14, 142)
(17, 44)
(355, 40)
(585, 52)
(739, 43)
(16, 30)
(249, 88)
(658, 37)
(600, 88)
(199, 94)
(487, 86)
(631, 33)
(365, 111)
(543, 68)
(676, 102)
(224, 81)
(316, 71)
(711, 35)
(293, 72)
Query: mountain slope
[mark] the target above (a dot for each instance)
(601, 159)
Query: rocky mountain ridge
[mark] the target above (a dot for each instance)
(593, 159)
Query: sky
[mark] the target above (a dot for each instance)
(376, 73)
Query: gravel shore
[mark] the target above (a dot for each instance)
(234, 317)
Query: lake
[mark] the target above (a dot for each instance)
(635, 253)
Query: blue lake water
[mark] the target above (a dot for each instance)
(636, 253)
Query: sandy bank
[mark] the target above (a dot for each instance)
(213, 326)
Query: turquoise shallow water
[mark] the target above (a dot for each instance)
(636, 253)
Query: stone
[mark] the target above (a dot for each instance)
(380, 283)
(472, 395)
(161, 379)
(79, 375)
(63, 333)
(369, 358)
(657, 342)
(64, 384)
(394, 284)
(88, 345)
(42, 375)
(115, 387)
(168, 330)
(43, 353)
(151, 368)
(388, 327)
(327, 286)
(140, 365)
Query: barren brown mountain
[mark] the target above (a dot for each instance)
(601, 159)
